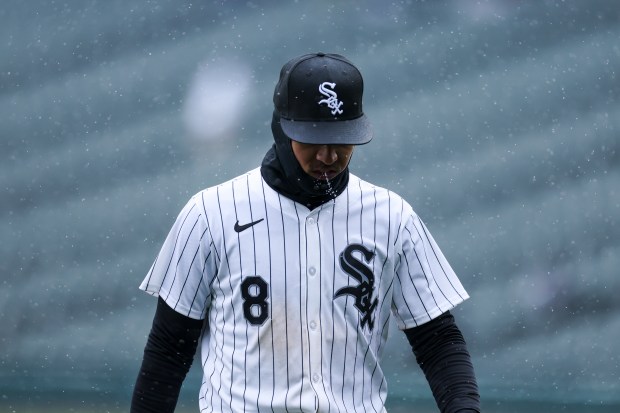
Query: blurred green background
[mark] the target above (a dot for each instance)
(498, 121)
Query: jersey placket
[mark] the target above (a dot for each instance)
(313, 276)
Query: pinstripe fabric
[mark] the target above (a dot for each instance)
(299, 302)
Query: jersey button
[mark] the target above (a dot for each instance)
(311, 270)
(316, 378)
(313, 325)
(310, 221)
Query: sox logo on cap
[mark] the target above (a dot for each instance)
(332, 101)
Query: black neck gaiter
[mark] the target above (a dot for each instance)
(283, 173)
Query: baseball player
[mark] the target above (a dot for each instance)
(288, 274)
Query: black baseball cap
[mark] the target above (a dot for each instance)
(319, 100)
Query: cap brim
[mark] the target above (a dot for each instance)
(342, 132)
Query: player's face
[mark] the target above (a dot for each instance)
(322, 161)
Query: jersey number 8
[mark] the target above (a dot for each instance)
(255, 307)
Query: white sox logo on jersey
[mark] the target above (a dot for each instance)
(364, 290)
(332, 101)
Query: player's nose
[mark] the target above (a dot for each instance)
(327, 154)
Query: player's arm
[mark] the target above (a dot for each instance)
(442, 354)
(168, 356)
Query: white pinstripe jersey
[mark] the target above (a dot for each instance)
(298, 303)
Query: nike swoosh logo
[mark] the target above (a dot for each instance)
(243, 227)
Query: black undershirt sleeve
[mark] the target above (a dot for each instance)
(441, 352)
(168, 356)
